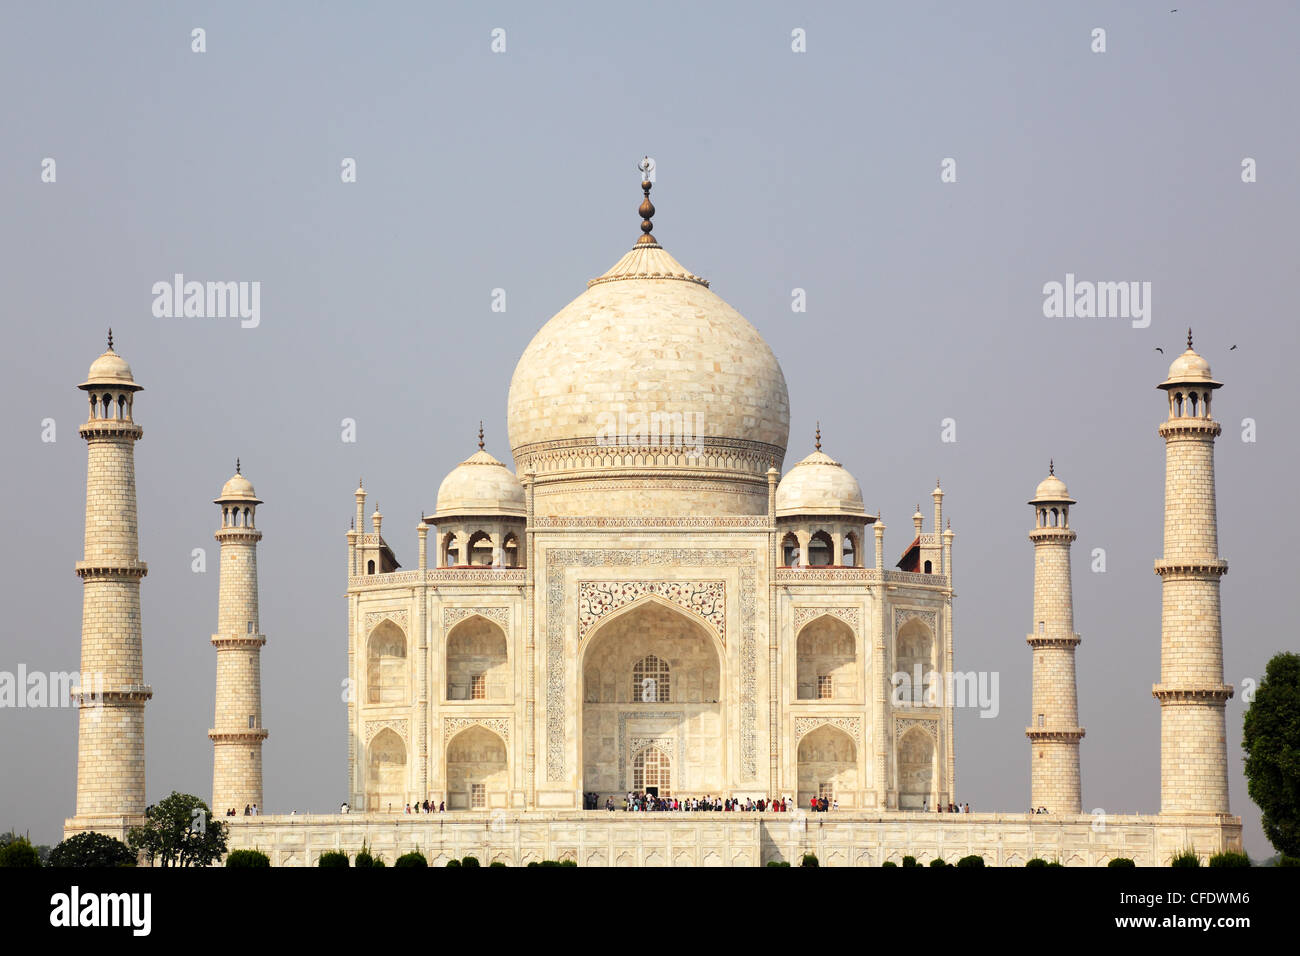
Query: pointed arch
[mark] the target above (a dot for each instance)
(385, 772)
(477, 769)
(827, 766)
(387, 679)
(826, 659)
(478, 660)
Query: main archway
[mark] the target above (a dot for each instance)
(652, 683)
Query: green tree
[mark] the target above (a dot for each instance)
(809, 859)
(179, 831)
(414, 858)
(938, 862)
(1271, 740)
(333, 859)
(19, 852)
(1122, 862)
(1230, 858)
(248, 858)
(91, 849)
(1185, 859)
(972, 860)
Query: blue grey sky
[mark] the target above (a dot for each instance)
(516, 170)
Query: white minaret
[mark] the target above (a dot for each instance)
(237, 733)
(1192, 694)
(1054, 732)
(112, 692)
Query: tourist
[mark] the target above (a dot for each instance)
(248, 812)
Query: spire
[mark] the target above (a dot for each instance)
(237, 471)
(1051, 466)
(1189, 338)
(480, 434)
(110, 339)
(819, 436)
(647, 210)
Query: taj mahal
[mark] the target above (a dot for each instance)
(647, 600)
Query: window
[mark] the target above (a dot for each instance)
(928, 567)
(478, 687)
(1042, 626)
(650, 681)
(1040, 720)
(477, 796)
(252, 721)
(250, 627)
(825, 687)
(651, 769)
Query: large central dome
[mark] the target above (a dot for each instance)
(648, 395)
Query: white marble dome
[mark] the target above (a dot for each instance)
(238, 488)
(819, 485)
(1051, 488)
(480, 485)
(112, 370)
(646, 378)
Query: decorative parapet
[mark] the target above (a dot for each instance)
(438, 576)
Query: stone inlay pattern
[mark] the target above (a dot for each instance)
(903, 724)
(849, 615)
(903, 614)
(850, 725)
(707, 599)
(396, 724)
(454, 615)
(500, 726)
(374, 617)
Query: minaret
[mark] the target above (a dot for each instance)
(237, 732)
(1054, 732)
(1192, 694)
(112, 692)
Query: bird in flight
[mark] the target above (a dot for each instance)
(1232, 349)
(1160, 350)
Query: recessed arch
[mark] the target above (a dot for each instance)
(478, 769)
(385, 772)
(827, 766)
(685, 720)
(478, 660)
(914, 657)
(826, 660)
(915, 769)
(387, 680)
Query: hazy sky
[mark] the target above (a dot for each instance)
(479, 170)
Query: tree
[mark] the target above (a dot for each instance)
(972, 860)
(91, 849)
(1271, 739)
(19, 852)
(333, 859)
(248, 858)
(1122, 862)
(1230, 858)
(415, 858)
(180, 831)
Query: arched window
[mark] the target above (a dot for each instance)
(510, 551)
(790, 551)
(479, 552)
(928, 567)
(821, 551)
(121, 406)
(1191, 403)
(1178, 404)
(850, 550)
(370, 565)
(651, 769)
(650, 681)
(386, 677)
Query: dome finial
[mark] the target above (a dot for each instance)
(1189, 338)
(237, 471)
(818, 442)
(647, 210)
(480, 435)
(110, 339)
(1051, 466)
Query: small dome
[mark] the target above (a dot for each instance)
(819, 485)
(480, 485)
(110, 369)
(1051, 488)
(238, 488)
(1189, 369)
